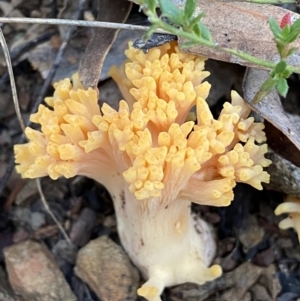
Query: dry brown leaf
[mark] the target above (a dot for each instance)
(242, 26)
(45, 232)
(44, 55)
(281, 144)
(282, 135)
(92, 61)
(68, 11)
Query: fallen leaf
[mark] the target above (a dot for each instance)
(282, 135)
(45, 232)
(243, 26)
(91, 63)
(281, 144)
(43, 56)
(117, 57)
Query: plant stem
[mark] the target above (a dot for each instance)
(154, 19)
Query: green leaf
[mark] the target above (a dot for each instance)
(275, 28)
(195, 20)
(189, 8)
(197, 30)
(205, 33)
(268, 85)
(264, 90)
(259, 96)
(291, 51)
(282, 87)
(286, 74)
(296, 25)
(280, 42)
(291, 37)
(286, 31)
(280, 49)
(152, 4)
(280, 67)
(171, 11)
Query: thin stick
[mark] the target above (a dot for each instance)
(41, 96)
(26, 47)
(39, 100)
(44, 201)
(12, 79)
(16, 53)
(78, 23)
(53, 69)
(16, 104)
(18, 112)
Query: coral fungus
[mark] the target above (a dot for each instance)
(153, 162)
(292, 207)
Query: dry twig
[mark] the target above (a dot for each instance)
(16, 53)
(40, 98)
(96, 24)
(12, 79)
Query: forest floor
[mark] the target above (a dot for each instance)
(260, 261)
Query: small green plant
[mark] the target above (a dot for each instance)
(186, 19)
(284, 34)
(182, 23)
(188, 25)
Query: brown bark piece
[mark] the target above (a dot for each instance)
(34, 274)
(105, 267)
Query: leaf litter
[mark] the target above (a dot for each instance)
(258, 269)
